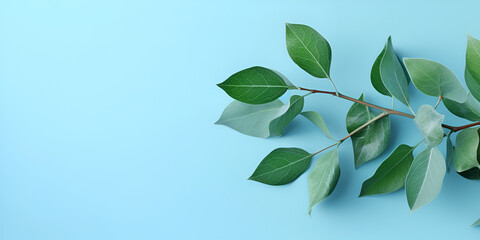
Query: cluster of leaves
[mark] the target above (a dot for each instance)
(257, 111)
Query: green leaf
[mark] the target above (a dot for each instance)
(472, 173)
(450, 151)
(309, 50)
(470, 109)
(434, 79)
(371, 141)
(252, 120)
(256, 85)
(393, 75)
(472, 68)
(282, 166)
(323, 178)
(425, 178)
(476, 223)
(317, 119)
(263, 120)
(391, 174)
(465, 156)
(286, 115)
(429, 122)
(375, 77)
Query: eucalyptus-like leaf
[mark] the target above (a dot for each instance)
(465, 156)
(323, 178)
(263, 120)
(255, 85)
(470, 109)
(286, 115)
(425, 178)
(317, 119)
(282, 166)
(393, 75)
(476, 223)
(372, 140)
(472, 69)
(429, 122)
(391, 174)
(434, 79)
(309, 50)
(252, 120)
(375, 77)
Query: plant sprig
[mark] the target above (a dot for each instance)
(258, 112)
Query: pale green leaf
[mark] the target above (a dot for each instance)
(470, 109)
(309, 49)
(472, 68)
(282, 166)
(393, 75)
(252, 120)
(263, 120)
(372, 140)
(465, 156)
(429, 122)
(391, 174)
(317, 119)
(323, 178)
(256, 85)
(425, 178)
(375, 77)
(286, 115)
(434, 79)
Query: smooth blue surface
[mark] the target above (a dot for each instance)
(107, 112)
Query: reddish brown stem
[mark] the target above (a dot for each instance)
(387, 110)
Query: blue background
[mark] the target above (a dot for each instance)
(107, 112)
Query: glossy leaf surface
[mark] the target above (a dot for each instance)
(391, 174)
(256, 85)
(282, 166)
(372, 140)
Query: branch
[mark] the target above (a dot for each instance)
(386, 110)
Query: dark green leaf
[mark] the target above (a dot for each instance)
(425, 178)
(450, 151)
(375, 77)
(256, 85)
(429, 122)
(371, 141)
(309, 50)
(393, 75)
(282, 166)
(434, 79)
(465, 156)
(470, 109)
(472, 174)
(472, 69)
(323, 178)
(391, 174)
(317, 119)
